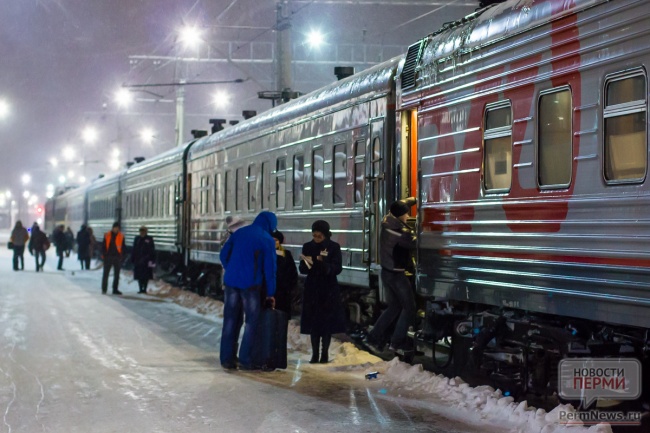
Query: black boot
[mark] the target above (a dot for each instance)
(324, 357)
(315, 343)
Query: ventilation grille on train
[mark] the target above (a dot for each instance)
(412, 57)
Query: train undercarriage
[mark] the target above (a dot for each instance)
(519, 352)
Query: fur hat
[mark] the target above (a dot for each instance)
(278, 235)
(234, 223)
(399, 208)
(322, 227)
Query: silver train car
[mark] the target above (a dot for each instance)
(530, 124)
(318, 157)
(151, 193)
(522, 129)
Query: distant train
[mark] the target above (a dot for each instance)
(522, 129)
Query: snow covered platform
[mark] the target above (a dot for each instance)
(74, 360)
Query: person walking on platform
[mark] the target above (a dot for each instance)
(112, 253)
(322, 308)
(93, 243)
(143, 258)
(61, 243)
(396, 240)
(249, 260)
(83, 247)
(38, 244)
(19, 238)
(69, 241)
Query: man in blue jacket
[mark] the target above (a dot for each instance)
(249, 259)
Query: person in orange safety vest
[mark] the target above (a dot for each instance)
(112, 253)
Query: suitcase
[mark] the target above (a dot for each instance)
(272, 338)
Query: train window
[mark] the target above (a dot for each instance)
(280, 183)
(252, 180)
(626, 134)
(497, 151)
(554, 145)
(217, 193)
(227, 194)
(340, 173)
(318, 177)
(359, 169)
(238, 188)
(164, 201)
(172, 199)
(159, 201)
(263, 191)
(298, 179)
(203, 203)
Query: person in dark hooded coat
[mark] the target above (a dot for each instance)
(143, 257)
(83, 247)
(250, 263)
(322, 308)
(287, 275)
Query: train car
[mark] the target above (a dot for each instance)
(104, 203)
(529, 120)
(71, 208)
(49, 215)
(150, 193)
(328, 155)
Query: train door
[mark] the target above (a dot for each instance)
(409, 158)
(372, 204)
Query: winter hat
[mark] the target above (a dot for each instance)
(322, 227)
(278, 235)
(399, 208)
(234, 223)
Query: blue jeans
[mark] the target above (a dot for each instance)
(235, 301)
(401, 307)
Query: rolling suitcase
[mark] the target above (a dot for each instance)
(272, 333)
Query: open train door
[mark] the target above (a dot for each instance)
(374, 190)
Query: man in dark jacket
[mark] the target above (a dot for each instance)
(83, 247)
(395, 242)
(38, 244)
(61, 243)
(112, 253)
(249, 260)
(143, 257)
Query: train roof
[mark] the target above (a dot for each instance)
(482, 28)
(376, 79)
(106, 180)
(170, 156)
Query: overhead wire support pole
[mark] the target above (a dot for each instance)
(283, 45)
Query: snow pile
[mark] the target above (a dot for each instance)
(202, 304)
(296, 341)
(483, 401)
(346, 356)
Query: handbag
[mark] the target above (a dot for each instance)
(10, 245)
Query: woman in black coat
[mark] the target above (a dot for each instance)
(322, 309)
(83, 247)
(286, 277)
(143, 258)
